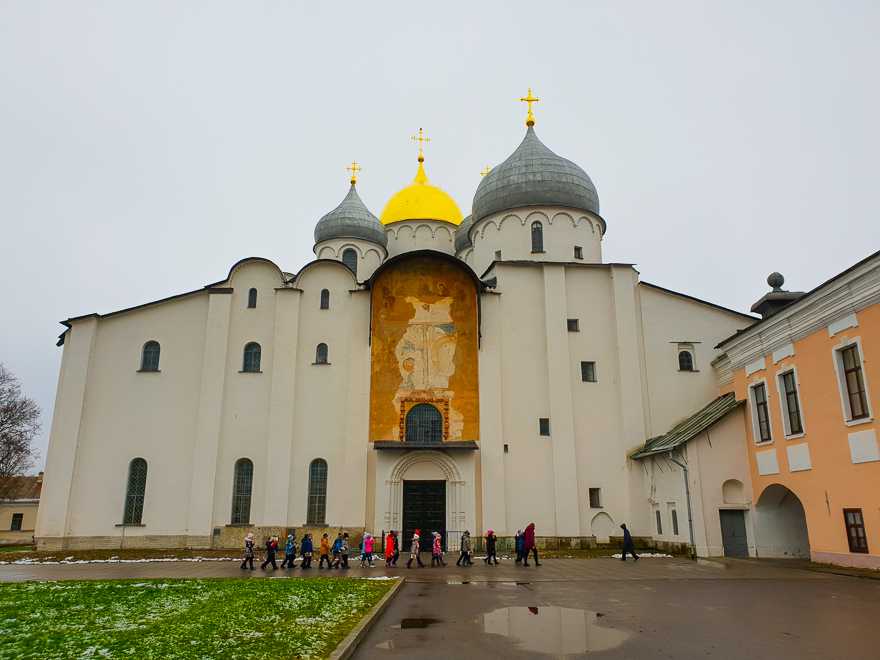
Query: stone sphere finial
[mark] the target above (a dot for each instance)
(775, 280)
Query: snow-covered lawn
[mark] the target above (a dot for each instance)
(223, 618)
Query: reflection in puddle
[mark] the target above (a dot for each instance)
(417, 623)
(553, 630)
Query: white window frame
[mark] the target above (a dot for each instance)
(783, 403)
(753, 407)
(837, 359)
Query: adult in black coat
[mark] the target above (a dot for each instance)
(628, 545)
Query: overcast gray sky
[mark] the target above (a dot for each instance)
(145, 147)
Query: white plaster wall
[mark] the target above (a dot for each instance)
(409, 235)
(510, 232)
(370, 255)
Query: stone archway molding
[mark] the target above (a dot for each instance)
(455, 488)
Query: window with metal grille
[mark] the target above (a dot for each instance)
(325, 299)
(537, 237)
(251, 362)
(588, 372)
(685, 361)
(424, 425)
(855, 530)
(790, 399)
(17, 519)
(321, 354)
(854, 381)
(242, 483)
(759, 394)
(674, 515)
(317, 511)
(578, 252)
(134, 493)
(595, 498)
(543, 426)
(350, 259)
(659, 521)
(150, 356)
(252, 298)
(573, 325)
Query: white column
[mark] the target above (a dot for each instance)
(52, 515)
(561, 409)
(281, 408)
(208, 423)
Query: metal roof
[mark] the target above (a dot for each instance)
(351, 219)
(462, 234)
(690, 428)
(534, 176)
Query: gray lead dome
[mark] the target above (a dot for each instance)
(534, 176)
(351, 219)
(462, 234)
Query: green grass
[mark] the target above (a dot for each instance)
(15, 548)
(221, 618)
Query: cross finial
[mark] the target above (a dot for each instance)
(485, 170)
(421, 139)
(529, 99)
(354, 168)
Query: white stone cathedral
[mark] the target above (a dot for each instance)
(423, 370)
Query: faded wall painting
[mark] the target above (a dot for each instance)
(424, 347)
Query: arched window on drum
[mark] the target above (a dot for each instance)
(424, 425)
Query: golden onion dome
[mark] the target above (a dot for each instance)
(421, 201)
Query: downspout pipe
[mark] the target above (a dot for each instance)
(687, 492)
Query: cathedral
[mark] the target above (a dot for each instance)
(426, 370)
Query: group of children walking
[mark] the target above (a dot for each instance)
(336, 555)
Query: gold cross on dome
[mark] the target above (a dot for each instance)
(421, 139)
(354, 168)
(485, 170)
(529, 99)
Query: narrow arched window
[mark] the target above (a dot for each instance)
(252, 298)
(317, 511)
(350, 259)
(134, 492)
(251, 361)
(321, 354)
(150, 356)
(685, 361)
(325, 299)
(424, 425)
(242, 482)
(537, 237)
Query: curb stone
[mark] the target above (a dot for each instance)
(347, 646)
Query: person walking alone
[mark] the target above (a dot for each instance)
(529, 545)
(628, 545)
(464, 552)
(491, 542)
(248, 551)
(414, 551)
(271, 549)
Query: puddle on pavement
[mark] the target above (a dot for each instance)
(416, 623)
(553, 630)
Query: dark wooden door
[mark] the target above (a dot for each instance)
(733, 533)
(424, 508)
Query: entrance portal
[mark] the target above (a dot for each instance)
(781, 524)
(733, 533)
(424, 508)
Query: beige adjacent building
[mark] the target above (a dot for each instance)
(424, 371)
(19, 499)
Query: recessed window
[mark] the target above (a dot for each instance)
(251, 361)
(760, 412)
(150, 356)
(578, 252)
(252, 298)
(350, 259)
(17, 519)
(573, 325)
(317, 505)
(424, 425)
(659, 520)
(588, 372)
(543, 426)
(134, 492)
(321, 354)
(537, 237)
(325, 299)
(506, 448)
(674, 515)
(595, 498)
(855, 530)
(242, 484)
(854, 382)
(685, 361)
(790, 405)
(497, 255)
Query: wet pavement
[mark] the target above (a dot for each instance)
(599, 608)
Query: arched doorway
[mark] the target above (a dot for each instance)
(424, 425)
(781, 524)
